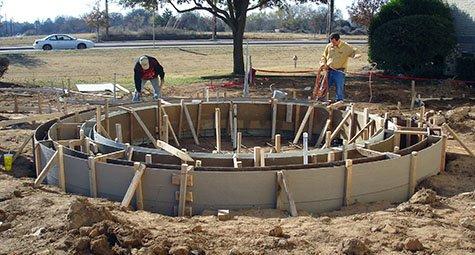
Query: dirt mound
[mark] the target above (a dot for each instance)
(462, 119)
(424, 196)
(82, 213)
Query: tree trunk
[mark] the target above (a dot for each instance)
(107, 19)
(238, 60)
(331, 7)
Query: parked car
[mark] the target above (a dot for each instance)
(61, 41)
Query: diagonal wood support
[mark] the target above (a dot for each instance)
(134, 184)
(282, 187)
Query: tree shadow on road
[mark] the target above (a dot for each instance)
(24, 60)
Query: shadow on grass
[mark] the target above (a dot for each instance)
(20, 59)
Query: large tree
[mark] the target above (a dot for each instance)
(96, 19)
(231, 12)
(362, 11)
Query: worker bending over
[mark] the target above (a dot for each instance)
(148, 69)
(335, 60)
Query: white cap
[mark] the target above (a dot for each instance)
(143, 60)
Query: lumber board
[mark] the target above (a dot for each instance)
(348, 181)
(22, 147)
(456, 137)
(46, 169)
(133, 185)
(282, 181)
(174, 151)
(92, 177)
(303, 123)
(190, 123)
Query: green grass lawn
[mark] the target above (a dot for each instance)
(181, 67)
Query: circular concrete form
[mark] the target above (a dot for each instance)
(184, 157)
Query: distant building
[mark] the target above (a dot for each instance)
(464, 18)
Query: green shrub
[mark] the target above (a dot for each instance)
(412, 37)
(466, 68)
(396, 9)
(415, 45)
(4, 63)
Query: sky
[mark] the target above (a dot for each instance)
(41, 10)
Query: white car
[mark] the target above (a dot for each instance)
(61, 41)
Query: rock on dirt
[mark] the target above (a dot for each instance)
(424, 196)
(354, 246)
(100, 245)
(413, 244)
(179, 250)
(277, 232)
(82, 213)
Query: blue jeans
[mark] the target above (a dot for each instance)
(337, 78)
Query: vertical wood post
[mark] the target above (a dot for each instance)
(207, 94)
(92, 177)
(408, 136)
(257, 156)
(106, 116)
(328, 140)
(235, 126)
(274, 118)
(305, 148)
(38, 158)
(182, 197)
(62, 176)
(98, 120)
(164, 136)
(412, 174)
(118, 132)
(148, 158)
(277, 141)
(263, 157)
(352, 121)
(238, 142)
(365, 121)
(180, 120)
(217, 118)
(443, 153)
(331, 156)
(139, 190)
(345, 149)
(348, 181)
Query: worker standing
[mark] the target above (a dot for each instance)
(335, 60)
(148, 69)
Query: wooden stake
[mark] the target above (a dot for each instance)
(297, 118)
(345, 149)
(365, 122)
(164, 129)
(180, 122)
(443, 153)
(118, 132)
(352, 121)
(302, 125)
(92, 177)
(38, 158)
(274, 117)
(183, 182)
(106, 116)
(158, 117)
(238, 142)
(133, 184)
(277, 146)
(190, 123)
(207, 94)
(331, 157)
(98, 120)
(283, 186)
(322, 133)
(235, 125)
(139, 190)
(328, 140)
(22, 147)
(198, 124)
(257, 156)
(348, 182)
(422, 113)
(46, 169)
(217, 120)
(62, 176)
(305, 148)
(456, 137)
(412, 174)
(408, 137)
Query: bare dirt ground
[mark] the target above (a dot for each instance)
(439, 219)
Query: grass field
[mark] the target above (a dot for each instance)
(182, 66)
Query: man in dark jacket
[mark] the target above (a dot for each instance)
(148, 69)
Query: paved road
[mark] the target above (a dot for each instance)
(185, 43)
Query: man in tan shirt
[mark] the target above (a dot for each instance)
(335, 59)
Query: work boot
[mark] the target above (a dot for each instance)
(136, 97)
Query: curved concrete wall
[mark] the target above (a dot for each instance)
(316, 187)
